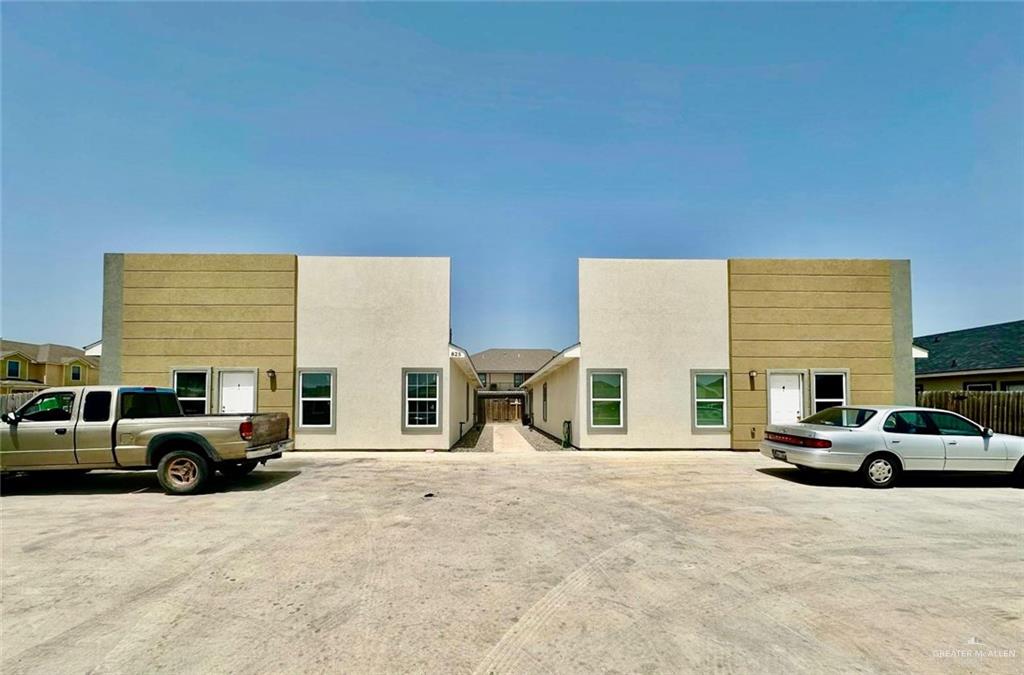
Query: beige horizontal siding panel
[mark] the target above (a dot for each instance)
(860, 382)
(815, 332)
(282, 398)
(748, 416)
(210, 313)
(209, 296)
(745, 445)
(786, 348)
(809, 299)
(871, 397)
(814, 267)
(825, 282)
(151, 364)
(208, 347)
(184, 329)
(810, 317)
(209, 262)
(749, 399)
(862, 365)
(192, 279)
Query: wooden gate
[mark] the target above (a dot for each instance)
(508, 409)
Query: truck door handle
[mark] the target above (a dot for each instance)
(60, 432)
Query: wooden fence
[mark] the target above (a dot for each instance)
(9, 402)
(1001, 410)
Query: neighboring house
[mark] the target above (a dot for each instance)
(29, 367)
(987, 358)
(502, 372)
(705, 353)
(356, 350)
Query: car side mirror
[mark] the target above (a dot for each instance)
(11, 418)
(987, 432)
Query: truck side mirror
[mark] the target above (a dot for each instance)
(10, 418)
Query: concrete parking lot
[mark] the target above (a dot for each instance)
(658, 562)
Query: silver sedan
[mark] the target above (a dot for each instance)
(880, 442)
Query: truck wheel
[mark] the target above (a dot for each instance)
(880, 471)
(237, 469)
(182, 472)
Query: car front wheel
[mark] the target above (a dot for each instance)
(182, 472)
(880, 471)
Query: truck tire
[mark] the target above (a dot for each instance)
(182, 472)
(240, 469)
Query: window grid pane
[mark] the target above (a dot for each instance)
(710, 394)
(421, 400)
(316, 399)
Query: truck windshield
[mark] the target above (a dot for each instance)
(841, 417)
(149, 404)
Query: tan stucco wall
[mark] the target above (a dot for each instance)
(563, 401)
(460, 410)
(805, 314)
(658, 319)
(201, 310)
(957, 383)
(370, 318)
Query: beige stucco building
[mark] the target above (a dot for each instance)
(705, 353)
(356, 350)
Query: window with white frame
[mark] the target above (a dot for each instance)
(14, 369)
(518, 379)
(76, 373)
(606, 399)
(829, 390)
(421, 399)
(193, 390)
(483, 379)
(544, 401)
(710, 399)
(316, 398)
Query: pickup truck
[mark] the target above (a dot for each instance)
(78, 429)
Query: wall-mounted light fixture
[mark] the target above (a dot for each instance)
(272, 373)
(752, 374)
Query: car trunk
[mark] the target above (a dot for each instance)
(269, 428)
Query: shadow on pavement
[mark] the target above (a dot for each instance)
(913, 479)
(127, 482)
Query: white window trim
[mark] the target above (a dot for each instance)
(206, 372)
(73, 378)
(544, 406)
(724, 400)
(834, 401)
(622, 408)
(436, 399)
(332, 374)
(7, 371)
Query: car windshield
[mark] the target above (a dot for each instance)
(841, 417)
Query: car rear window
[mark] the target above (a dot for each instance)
(850, 418)
(149, 404)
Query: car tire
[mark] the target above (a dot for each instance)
(880, 471)
(235, 470)
(183, 472)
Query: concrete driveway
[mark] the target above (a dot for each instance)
(520, 563)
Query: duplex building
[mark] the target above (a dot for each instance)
(502, 373)
(705, 353)
(29, 367)
(356, 350)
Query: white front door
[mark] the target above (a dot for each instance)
(237, 392)
(785, 398)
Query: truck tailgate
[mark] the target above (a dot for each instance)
(269, 428)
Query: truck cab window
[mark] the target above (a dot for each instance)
(142, 404)
(55, 407)
(97, 407)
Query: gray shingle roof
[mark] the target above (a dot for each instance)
(47, 353)
(511, 360)
(984, 348)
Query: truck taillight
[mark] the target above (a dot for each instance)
(245, 430)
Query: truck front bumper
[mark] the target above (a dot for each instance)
(270, 451)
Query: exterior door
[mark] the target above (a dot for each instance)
(967, 448)
(912, 436)
(44, 434)
(785, 398)
(93, 433)
(237, 392)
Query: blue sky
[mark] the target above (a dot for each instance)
(515, 139)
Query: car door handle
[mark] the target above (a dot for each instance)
(60, 432)
(952, 442)
(895, 441)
